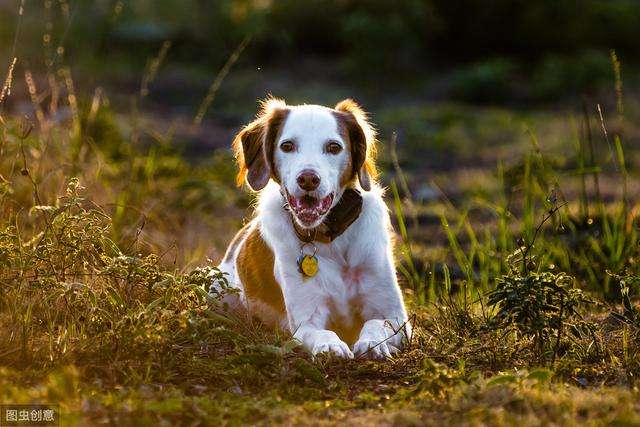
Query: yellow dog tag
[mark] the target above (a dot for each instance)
(308, 265)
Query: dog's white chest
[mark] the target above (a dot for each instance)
(352, 275)
(341, 284)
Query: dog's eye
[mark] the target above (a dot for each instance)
(333, 147)
(287, 146)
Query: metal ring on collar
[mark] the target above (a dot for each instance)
(315, 249)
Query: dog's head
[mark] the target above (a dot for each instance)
(313, 152)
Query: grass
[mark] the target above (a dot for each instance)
(521, 275)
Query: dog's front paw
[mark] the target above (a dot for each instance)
(328, 342)
(381, 338)
(373, 349)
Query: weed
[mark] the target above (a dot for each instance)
(542, 306)
(630, 315)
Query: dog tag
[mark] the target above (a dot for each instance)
(308, 265)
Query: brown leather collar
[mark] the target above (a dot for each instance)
(340, 217)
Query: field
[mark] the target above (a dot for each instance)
(518, 247)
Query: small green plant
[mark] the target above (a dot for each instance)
(630, 314)
(539, 305)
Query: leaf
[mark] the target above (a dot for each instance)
(154, 303)
(268, 348)
(575, 331)
(502, 379)
(199, 290)
(620, 317)
(110, 246)
(542, 375)
(307, 370)
(218, 318)
(164, 283)
(115, 297)
(290, 345)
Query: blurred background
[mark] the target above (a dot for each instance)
(454, 87)
(497, 52)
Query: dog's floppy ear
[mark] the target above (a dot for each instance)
(253, 145)
(362, 137)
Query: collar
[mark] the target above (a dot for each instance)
(339, 218)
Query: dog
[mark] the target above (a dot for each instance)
(317, 257)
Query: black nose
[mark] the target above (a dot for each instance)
(308, 180)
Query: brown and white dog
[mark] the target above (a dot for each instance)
(318, 203)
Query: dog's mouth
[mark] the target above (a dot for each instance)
(309, 209)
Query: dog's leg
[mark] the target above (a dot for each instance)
(229, 291)
(386, 326)
(308, 314)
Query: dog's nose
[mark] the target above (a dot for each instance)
(308, 180)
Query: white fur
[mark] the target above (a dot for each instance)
(357, 266)
(310, 128)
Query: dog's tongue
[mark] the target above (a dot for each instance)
(308, 202)
(309, 208)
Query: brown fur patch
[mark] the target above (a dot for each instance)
(255, 264)
(276, 124)
(253, 145)
(351, 110)
(347, 328)
(237, 239)
(349, 172)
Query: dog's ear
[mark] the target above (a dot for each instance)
(362, 138)
(253, 145)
